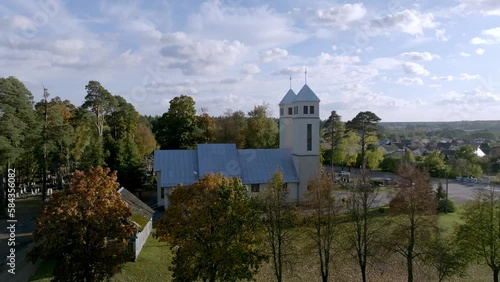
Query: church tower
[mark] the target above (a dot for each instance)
(286, 115)
(305, 136)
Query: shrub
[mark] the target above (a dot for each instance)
(442, 205)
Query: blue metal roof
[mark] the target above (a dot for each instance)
(259, 165)
(176, 166)
(289, 97)
(306, 95)
(251, 165)
(215, 158)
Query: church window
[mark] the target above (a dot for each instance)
(311, 110)
(305, 110)
(290, 111)
(309, 137)
(295, 110)
(282, 111)
(255, 188)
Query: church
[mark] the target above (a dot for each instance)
(297, 157)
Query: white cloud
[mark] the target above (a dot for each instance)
(443, 78)
(176, 38)
(145, 29)
(476, 97)
(294, 70)
(130, 59)
(258, 26)
(407, 21)
(341, 16)
(250, 69)
(466, 76)
(272, 54)
(463, 54)
(204, 57)
(325, 58)
(480, 51)
(419, 56)
(410, 81)
(490, 36)
(414, 68)
(22, 23)
(485, 7)
(440, 35)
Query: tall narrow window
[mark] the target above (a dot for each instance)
(309, 137)
(282, 111)
(290, 111)
(305, 110)
(295, 110)
(311, 110)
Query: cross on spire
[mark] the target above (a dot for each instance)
(305, 76)
(290, 81)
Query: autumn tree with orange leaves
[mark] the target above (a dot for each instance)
(84, 228)
(213, 229)
(412, 209)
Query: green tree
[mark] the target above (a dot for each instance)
(412, 208)
(434, 162)
(100, 103)
(322, 209)
(365, 125)
(334, 132)
(373, 158)
(446, 257)
(84, 228)
(213, 228)
(20, 133)
(479, 234)
(389, 163)
(278, 219)
(176, 127)
(264, 129)
(232, 128)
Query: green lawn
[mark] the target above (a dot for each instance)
(151, 265)
(447, 222)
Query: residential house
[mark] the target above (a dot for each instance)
(142, 218)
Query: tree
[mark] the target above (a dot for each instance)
(100, 102)
(365, 125)
(334, 131)
(373, 158)
(20, 133)
(320, 204)
(176, 127)
(364, 233)
(278, 219)
(479, 234)
(390, 163)
(84, 228)
(232, 128)
(205, 128)
(263, 129)
(412, 208)
(434, 162)
(213, 229)
(446, 257)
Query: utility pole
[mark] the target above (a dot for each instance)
(446, 204)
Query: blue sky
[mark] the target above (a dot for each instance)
(403, 60)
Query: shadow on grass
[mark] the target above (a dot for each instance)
(44, 271)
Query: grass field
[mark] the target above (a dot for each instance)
(151, 265)
(155, 259)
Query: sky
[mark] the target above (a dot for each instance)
(403, 60)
